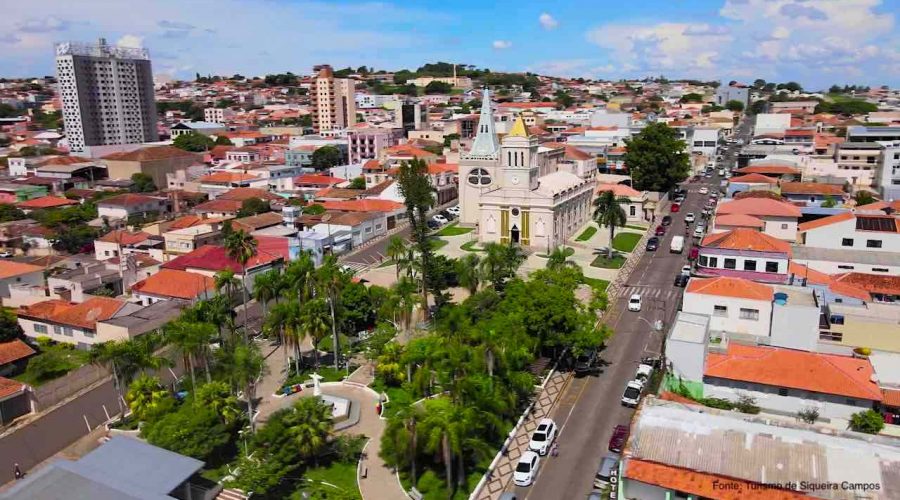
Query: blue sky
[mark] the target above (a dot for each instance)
(816, 42)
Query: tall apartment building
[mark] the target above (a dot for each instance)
(107, 94)
(334, 102)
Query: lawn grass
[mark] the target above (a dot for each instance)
(437, 243)
(595, 282)
(454, 230)
(638, 228)
(587, 233)
(568, 252)
(328, 374)
(625, 242)
(615, 263)
(54, 361)
(469, 246)
(342, 475)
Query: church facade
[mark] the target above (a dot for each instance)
(518, 191)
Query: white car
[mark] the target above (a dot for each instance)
(699, 231)
(704, 190)
(632, 394)
(634, 303)
(543, 437)
(440, 219)
(689, 217)
(526, 469)
(686, 270)
(454, 210)
(643, 372)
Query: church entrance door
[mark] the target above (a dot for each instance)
(514, 234)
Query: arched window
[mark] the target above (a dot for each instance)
(479, 177)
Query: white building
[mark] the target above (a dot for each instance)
(334, 104)
(107, 94)
(217, 115)
(204, 128)
(887, 173)
(705, 141)
(772, 123)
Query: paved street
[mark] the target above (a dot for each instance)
(590, 408)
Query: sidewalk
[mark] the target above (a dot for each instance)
(503, 471)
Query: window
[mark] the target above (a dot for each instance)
(39, 328)
(57, 329)
(752, 314)
(713, 262)
(847, 242)
(879, 269)
(749, 265)
(479, 177)
(832, 336)
(873, 243)
(632, 210)
(771, 266)
(89, 334)
(703, 260)
(784, 226)
(730, 263)
(782, 391)
(837, 319)
(845, 266)
(720, 310)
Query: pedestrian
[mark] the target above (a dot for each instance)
(17, 472)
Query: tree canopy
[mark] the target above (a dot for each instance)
(143, 183)
(253, 206)
(656, 158)
(437, 87)
(327, 157)
(733, 105)
(193, 142)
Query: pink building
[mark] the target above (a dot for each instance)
(364, 143)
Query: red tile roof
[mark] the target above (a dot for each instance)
(124, 237)
(218, 206)
(9, 387)
(317, 180)
(215, 258)
(880, 206)
(620, 190)
(46, 202)
(811, 188)
(753, 179)
(724, 286)
(83, 315)
(572, 153)
(702, 484)
(872, 283)
(244, 193)
(151, 154)
(769, 169)
(128, 200)
(759, 207)
(14, 350)
(746, 239)
(227, 177)
(176, 284)
(9, 269)
(826, 221)
(810, 371)
(403, 150)
(739, 220)
(365, 205)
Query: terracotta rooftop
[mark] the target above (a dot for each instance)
(816, 372)
(403, 150)
(739, 220)
(873, 283)
(759, 207)
(14, 350)
(620, 190)
(9, 269)
(317, 180)
(366, 205)
(124, 237)
(725, 286)
(128, 200)
(753, 179)
(811, 188)
(176, 284)
(215, 258)
(151, 154)
(572, 153)
(218, 206)
(227, 177)
(258, 221)
(46, 202)
(83, 315)
(826, 221)
(746, 239)
(244, 193)
(769, 170)
(8, 387)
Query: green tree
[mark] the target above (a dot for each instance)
(309, 425)
(868, 421)
(437, 87)
(267, 287)
(191, 340)
(449, 138)
(608, 212)
(396, 252)
(314, 321)
(468, 270)
(148, 399)
(223, 141)
(733, 105)
(314, 209)
(656, 158)
(194, 431)
(193, 142)
(327, 157)
(330, 282)
(564, 99)
(418, 193)
(863, 197)
(126, 358)
(9, 326)
(241, 247)
(692, 97)
(358, 183)
(559, 258)
(217, 397)
(500, 263)
(759, 84)
(253, 206)
(244, 364)
(143, 183)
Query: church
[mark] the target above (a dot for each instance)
(516, 190)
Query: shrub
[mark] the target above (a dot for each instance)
(746, 404)
(192, 431)
(48, 366)
(429, 482)
(808, 415)
(719, 403)
(869, 421)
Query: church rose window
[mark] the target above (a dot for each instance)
(479, 176)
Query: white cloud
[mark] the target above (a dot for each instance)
(547, 21)
(131, 41)
(501, 44)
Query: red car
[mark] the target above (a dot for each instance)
(695, 252)
(675, 208)
(660, 230)
(617, 441)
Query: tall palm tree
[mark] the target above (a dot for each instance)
(245, 365)
(226, 281)
(126, 358)
(409, 416)
(267, 286)
(501, 262)
(559, 258)
(192, 341)
(286, 317)
(438, 431)
(300, 277)
(313, 320)
(608, 212)
(147, 397)
(468, 272)
(309, 425)
(241, 247)
(396, 251)
(330, 281)
(406, 297)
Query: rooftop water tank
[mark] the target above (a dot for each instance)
(781, 298)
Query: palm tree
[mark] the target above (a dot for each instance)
(559, 258)
(241, 247)
(245, 365)
(409, 417)
(468, 271)
(330, 281)
(608, 212)
(227, 281)
(286, 316)
(267, 286)
(309, 425)
(147, 397)
(126, 358)
(396, 251)
(217, 397)
(192, 341)
(501, 263)
(438, 424)
(406, 297)
(300, 277)
(313, 320)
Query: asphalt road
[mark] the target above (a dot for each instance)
(590, 408)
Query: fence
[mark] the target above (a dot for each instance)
(54, 391)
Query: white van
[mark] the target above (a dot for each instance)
(677, 244)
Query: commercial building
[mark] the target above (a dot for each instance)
(725, 93)
(368, 143)
(333, 101)
(107, 94)
(155, 161)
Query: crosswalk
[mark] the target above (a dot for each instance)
(653, 292)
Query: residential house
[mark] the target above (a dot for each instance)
(210, 259)
(364, 142)
(814, 194)
(750, 182)
(731, 304)
(360, 226)
(18, 274)
(771, 168)
(14, 356)
(119, 243)
(124, 206)
(257, 222)
(45, 202)
(393, 156)
(155, 161)
(216, 183)
(188, 239)
(394, 211)
(244, 154)
(779, 218)
(68, 322)
(11, 193)
(204, 128)
(140, 321)
(307, 185)
(634, 209)
(862, 241)
(744, 253)
(859, 161)
(14, 400)
(173, 284)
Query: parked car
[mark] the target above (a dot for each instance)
(587, 362)
(543, 437)
(447, 214)
(699, 231)
(660, 230)
(667, 220)
(677, 245)
(454, 210)
(681, 280)
(508, 495)
(526, 469)
(686, 269)
(619, 436)
(652, 244)
(679, 198)
(632, 395)
(607, 472)
(634, 303)
(643, 372)
(689, 217)
(6, 255)
(432, 224)
(704, 190)
(440, 219)
(675, 208)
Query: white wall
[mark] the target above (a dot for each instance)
(58, 333)
(730, 320)
(767, 398)
(688, 359)
(795, 326)
(783, 228)
(834, 267)
(767, 123)
(35, 279)
(832, 236)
